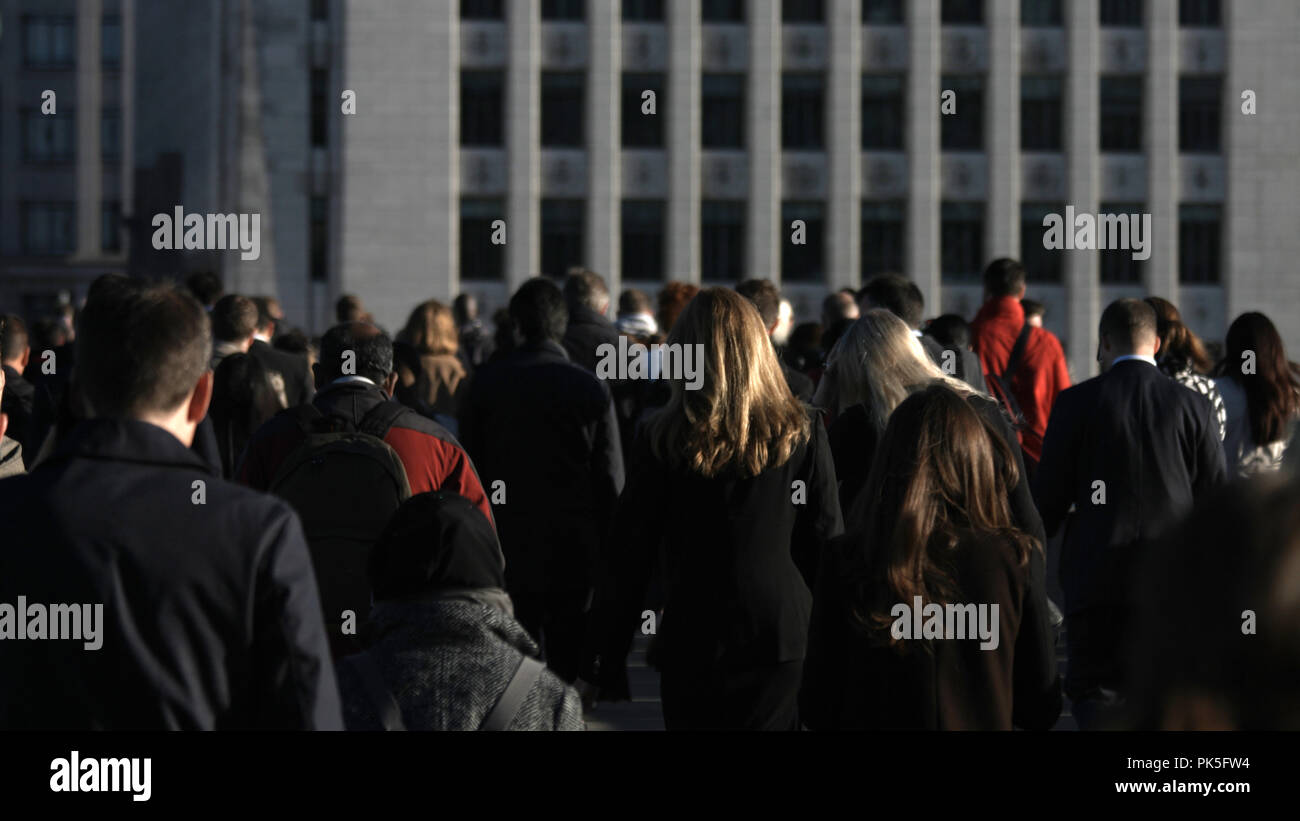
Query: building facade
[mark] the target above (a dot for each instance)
(652, 140)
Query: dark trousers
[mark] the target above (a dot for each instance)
(557, 620)
(755, 698)
(1093, 643)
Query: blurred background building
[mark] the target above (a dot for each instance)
(766, 112)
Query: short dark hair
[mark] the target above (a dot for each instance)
(1127, 321)
(348, 308)
(896, 294)
(372, 348)
(141, 349)
(205, 286)
(1033, 307)
(538, 310)
(765, 296)
(464, 308)
(632, 301)
(264, 315)
(586, 288)
(13, 337)
(950, 331)
(234, 318)
(1004, 277)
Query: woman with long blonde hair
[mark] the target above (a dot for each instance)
(733, 490)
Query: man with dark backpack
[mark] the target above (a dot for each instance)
(347, 460)
(1024, 365)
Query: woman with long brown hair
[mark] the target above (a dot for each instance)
(1261, 391)
(431, 331)
(733, 490)
(939, 537)
(1183, 358)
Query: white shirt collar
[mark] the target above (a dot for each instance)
(1150, 360)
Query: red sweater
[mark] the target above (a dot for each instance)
(1042, 374)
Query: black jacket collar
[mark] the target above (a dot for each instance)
(128, 440)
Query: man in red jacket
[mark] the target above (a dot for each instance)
(1041, 373)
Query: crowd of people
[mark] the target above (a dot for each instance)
(464, 527)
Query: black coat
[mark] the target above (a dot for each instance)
(298, 384)
(210, 616)
(546, 428)
(737, 556)
(966, 363)
(1155, 445)
(851, 683)
(18, 403)
(587, 331)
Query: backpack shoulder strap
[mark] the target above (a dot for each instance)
(381, 418)
(306, 416)
(1017, 352)
(390, 714)
(507, 707)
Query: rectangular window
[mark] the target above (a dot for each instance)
(722, 103)
(564, 9)
(49, 138)
(1041, 13)
(722, 240)
(110, 135)
(643, 240)
(48, 228)
(1200, 243)
(1117, 264)
(320, 105)
(882, 12)
(882, 238)
(722, 11)
(643, 11)
(320, 9)
(1041, 112)
(1121, 114)
(482, 108)
(802, 11)
(110, 227)
(961, 12)
(963, 130)
(562, 227)
(1200, 13)
(482, 10)
(802, 111)
(961, 241)
(49, 41)
(804, 262)
(883, 112)
(641, 130)
(318, 232)
(480, 259)
(110, 41)
(562, 109)
(1200, 111)
(1041, 264)
(1121, 13)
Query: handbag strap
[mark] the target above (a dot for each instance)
(390, 715)
(1017, 353)
(513, 698)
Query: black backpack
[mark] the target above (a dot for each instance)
(345, 483)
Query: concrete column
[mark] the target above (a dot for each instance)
(764, 232)
(844, 105)
(1002, 131)
(127, 180)
(399, 162)
(90, 164)
(923, 167)
(604, 143)
(523, 142)
(1160, 122)
(684, 140)
(1082, 143)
